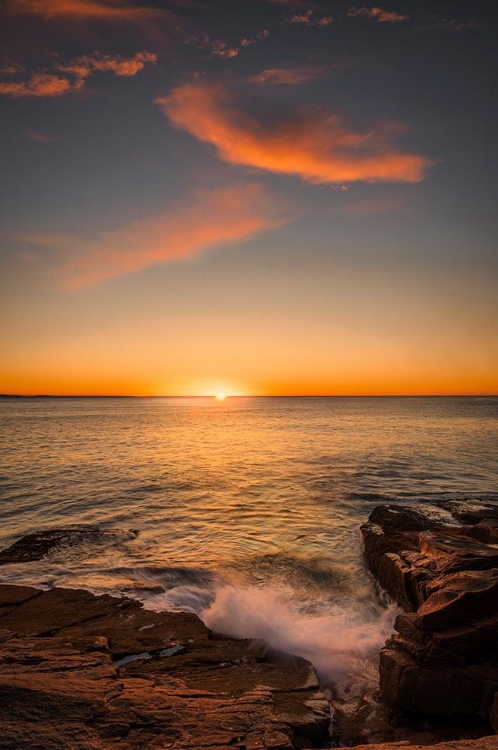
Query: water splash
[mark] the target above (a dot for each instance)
(342, 641)
(339, 642)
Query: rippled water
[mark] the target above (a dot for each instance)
(247, 510)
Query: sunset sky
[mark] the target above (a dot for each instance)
(256, 197)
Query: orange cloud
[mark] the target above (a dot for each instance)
(222, 49)
(48, 84)
(218, 217)
(216, 47)
(301, 18)
(248, 41)
(377, 14)
(87, 65)
(12, 70)
(313, 144)
(80, 9)
(290, 74)
(39, 84)
(308, 19)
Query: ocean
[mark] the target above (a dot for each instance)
(245, 511)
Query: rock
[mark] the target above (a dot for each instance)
(395, 519)
(457, 598)
(483, 743)
(493, 715)
(431, 686)
(443, 659)
(470, 511)
(41, 543)
(87, 672)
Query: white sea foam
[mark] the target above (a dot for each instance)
(185, 598)
(341, 643)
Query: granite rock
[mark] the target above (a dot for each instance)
(441, 566)
(83, 672)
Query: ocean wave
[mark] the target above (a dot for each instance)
(342, 642)
(421, 497)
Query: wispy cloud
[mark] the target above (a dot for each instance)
(87, 65)
(311, 143)
(290, 74)
(451, 25)
(215, 218)
(81, 9)
(247, 41)
(12, 70)
(377, 14)
(307, 18)
(47, 84)
(223, 49)
(39, 84)
(220, 48)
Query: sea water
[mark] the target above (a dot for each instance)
(245, 511)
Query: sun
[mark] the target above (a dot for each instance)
(220, 396)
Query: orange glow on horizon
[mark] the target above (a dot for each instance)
(245, 356)
(49, 387)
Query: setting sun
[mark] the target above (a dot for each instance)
(286, 207)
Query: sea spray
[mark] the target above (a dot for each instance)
(342, 643)
(341, 640)
(180, 598)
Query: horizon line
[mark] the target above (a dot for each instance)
(281, 395)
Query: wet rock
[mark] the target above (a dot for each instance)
(470, 511)
(443, 659)
(395, 519)
(38, 545)
(62, 686)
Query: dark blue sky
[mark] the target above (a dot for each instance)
(258, 197)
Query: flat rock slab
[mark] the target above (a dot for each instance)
(79, 671)
(38, 545)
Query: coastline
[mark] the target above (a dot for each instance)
(84, 671)
(79, 671)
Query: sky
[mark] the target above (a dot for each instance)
(260, 198)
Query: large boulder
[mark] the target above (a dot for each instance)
(441, 566)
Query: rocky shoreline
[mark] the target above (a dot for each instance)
(85, 672)
(442, 569)
(79, 671)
